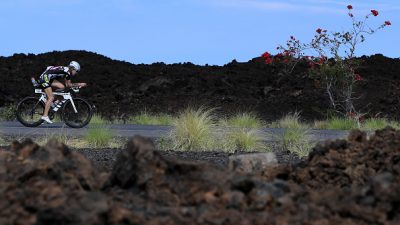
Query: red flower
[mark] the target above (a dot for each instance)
(318, 61)
(351, 115)
(266, 55)
(319, 30)
(268, 61)
(350, 7)
(374, 12)
(388, 23)
(357, 77)
(286, 61)
(287, 53)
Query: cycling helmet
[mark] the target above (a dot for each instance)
(75, 65)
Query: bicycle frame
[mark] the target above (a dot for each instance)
(66, 96)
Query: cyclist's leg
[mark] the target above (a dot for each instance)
(57, 84)
(50, 98)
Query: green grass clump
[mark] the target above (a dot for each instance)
(193, 130)
(7, 113)
(294, 138)
(394, 124)
(375, 123)
(296, 141)
(320, 124)
(379, 123)
(244, 140)
(243, 120)
(97, 119)
(99, 136)
(146, 118)
(2, 141)
(337, 123)
(290, 121)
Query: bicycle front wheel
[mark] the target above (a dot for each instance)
(29, 112)
(81, 117)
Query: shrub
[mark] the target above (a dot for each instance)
(338, 76)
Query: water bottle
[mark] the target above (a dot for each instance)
(34, 82)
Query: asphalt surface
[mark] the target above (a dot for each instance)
(13, 128)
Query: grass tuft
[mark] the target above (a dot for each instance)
(97, 119)
(193, 130)
(394, 124)
(244, 140)
(296, 141)
(375, 123)
(320, 125)
(2, 141)
(99, 137)
(243, 120)
(146, 118)
(290, 121)
(337, 123)
(7, 112)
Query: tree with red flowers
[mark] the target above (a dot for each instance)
(338, 74)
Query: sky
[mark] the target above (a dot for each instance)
(210, 32)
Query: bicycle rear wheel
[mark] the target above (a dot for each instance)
(80, 118)
(29, 112)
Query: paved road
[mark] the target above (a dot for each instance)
(129, 130)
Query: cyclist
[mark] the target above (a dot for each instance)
(48, 80)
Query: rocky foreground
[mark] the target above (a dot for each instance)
(343, 182)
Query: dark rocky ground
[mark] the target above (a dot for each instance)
(105, 158)
(120, 88)
(342, 182)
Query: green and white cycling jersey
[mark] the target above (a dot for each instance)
(51, 73)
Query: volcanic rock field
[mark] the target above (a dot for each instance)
(342, 182)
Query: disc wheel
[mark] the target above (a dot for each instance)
(29, 112)
(77, 119)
